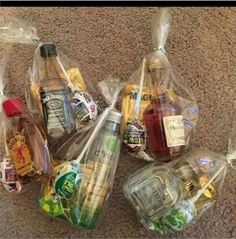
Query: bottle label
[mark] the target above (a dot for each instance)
(135, 137)
(20, 154)
(180, 216)
(55, 109)
(174, 130)
(106, 147)
(7, 171)
(151, 195)
(98, 168)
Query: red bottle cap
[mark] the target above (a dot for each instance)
(13, 107)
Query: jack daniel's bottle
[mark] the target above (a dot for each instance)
(54, 96)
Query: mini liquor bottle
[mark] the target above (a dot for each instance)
(25, 143)
(54, 96)
(195, 169)
(162, 117)
(190, 177)
(152, 191)
(98, 173)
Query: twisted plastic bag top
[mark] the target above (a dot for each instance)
(160, 28)
(231, 156)
(110, 88)
(16, 30)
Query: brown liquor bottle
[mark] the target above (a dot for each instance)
(162, 114)
(54, 97)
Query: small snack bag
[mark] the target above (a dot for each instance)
(81, 187)
(159, 113)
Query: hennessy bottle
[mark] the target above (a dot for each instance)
(54, 96)
(165, 129)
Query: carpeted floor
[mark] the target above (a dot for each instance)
(113, 41)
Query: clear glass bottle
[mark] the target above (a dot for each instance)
(152, 191)
(162, 117)
(98, 174)
(54, 97)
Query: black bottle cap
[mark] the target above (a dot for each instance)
(48, 50)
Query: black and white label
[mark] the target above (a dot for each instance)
(55, 109)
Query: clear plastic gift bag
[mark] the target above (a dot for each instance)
(168, 198)
(24, 153)
(159, 112)
(82, 186)
(57, 94)
(17, 30)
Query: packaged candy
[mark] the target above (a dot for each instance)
(57, 94)
(81, 186)
(24, 151)
(168, 198)
(159, 113)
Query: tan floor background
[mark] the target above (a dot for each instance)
(113, 41)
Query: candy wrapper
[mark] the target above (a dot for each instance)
(57, 94)
(168, 198)
(82, 186)
(159, 112)
(24, 153)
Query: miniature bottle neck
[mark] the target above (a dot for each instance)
(112, 127)
(155, 74)
(52, 68)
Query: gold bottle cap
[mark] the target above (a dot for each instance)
(210, 192)
(154, 63)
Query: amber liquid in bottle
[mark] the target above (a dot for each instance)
(54, 97)
(18, 139)
(160, 107)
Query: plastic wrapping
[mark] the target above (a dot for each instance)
(57, 94)
(16, 30)
(24, 153)
(168, 198)
(82, 186)
(159, 113)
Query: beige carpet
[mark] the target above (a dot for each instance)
(113, 41)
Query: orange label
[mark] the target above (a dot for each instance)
(20, 154)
